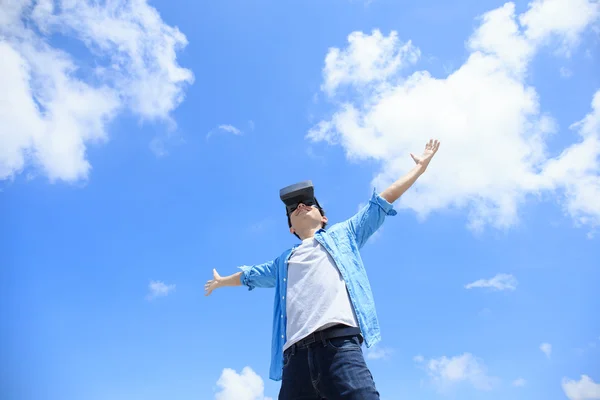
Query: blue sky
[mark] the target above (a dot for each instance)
(144, 144)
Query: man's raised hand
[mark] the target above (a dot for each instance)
(213, 283)
(430, 149)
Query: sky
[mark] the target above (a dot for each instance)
(143, 144)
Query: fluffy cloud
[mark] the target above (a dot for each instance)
(577, 170)
(245, 386)
(583, 389)
(159, 289)
(55, 105)
(368, 58)
(546, 348)
(446, 372)
(560, 19)
(498, 282)
(493, 132)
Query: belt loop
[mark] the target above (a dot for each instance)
(294, 349)
(323, 340)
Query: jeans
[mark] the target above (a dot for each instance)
(333, 369)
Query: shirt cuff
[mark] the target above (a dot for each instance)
(244, 278)
(385, 205)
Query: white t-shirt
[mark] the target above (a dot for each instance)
(316, 293)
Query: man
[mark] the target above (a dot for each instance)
(324, 307)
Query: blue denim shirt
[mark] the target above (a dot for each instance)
(342, 241)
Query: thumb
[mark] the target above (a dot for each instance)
(414, 158)
(216, 274)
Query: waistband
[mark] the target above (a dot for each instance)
(329, 333)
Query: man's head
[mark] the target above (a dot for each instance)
(302, 208)
(306, 218)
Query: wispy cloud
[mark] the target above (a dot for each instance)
(379, 353)
(583, 389)
(565, 72)
(225, 128)
(498, 282)
(546, 348)
(159, 289)
(230, 129)
(591, 346)
(447, 372)
(519, 382)
(247, 385)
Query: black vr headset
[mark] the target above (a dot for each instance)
(302, 192)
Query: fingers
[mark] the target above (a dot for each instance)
(432, 145)
(208, 287)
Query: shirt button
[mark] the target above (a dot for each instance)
(282, 297)
(284, 279)
(282, 336)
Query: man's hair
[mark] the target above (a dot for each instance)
(322, 224)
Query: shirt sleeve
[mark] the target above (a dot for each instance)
(259, 275)
(370, 218)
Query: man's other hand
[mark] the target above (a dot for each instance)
(213, 283)
(430, 149)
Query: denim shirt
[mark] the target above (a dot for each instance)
(342, 241)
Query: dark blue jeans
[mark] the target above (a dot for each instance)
(334, 369)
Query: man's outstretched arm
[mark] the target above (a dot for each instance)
(397, 189)
(252, 276)
(219, 281)
(364, 223)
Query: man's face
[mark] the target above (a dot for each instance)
(306, 217)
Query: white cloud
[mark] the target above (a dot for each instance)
(584, 389)
(446, 372)
(245, 386)
(519, 382)
(577, 170)
(379, 353)
(369, 58)
(225, 129)
(546, 348)
(493, 154)
(498, 282)
(230, 129)
(564, 20)
(159, 289)
(55, 105)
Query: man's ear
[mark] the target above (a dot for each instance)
(324, 219)
(292, 231)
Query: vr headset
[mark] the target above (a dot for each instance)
(301, 192)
